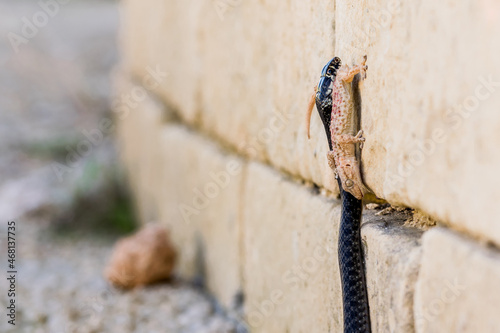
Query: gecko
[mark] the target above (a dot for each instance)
(334, 95)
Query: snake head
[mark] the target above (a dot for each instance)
(323, 96)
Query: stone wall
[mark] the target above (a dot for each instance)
(211, 107)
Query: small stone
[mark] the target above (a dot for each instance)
(386, 211)
(143, 258)
(372, 206)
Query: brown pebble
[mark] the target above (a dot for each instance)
(372, 206)
(143, 258)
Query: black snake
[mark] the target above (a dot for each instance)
(350, 251)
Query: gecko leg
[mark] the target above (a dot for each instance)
(348, 75)
(331, 162)
(360, 136)
(347, 138)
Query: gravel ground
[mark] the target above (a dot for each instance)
(60, 289)
(56, 86)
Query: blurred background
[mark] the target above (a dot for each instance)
(70, 201)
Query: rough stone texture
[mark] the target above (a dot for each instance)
(457, 289)
(235, 67)
(292, 281)
(252, 96)
(200, 203)
(393, 254)
(429, 120)
(284, 256)
(241, 72)
(255, 95)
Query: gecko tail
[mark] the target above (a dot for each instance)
(310, 107)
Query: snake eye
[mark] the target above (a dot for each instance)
(349, 183)
(332, 71)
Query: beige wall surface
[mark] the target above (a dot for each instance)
(243, 71)
(237, 78)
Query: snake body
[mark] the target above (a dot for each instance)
(350, 251)
(351, 263)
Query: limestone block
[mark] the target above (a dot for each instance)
(138, 128)
(164, 34)
(261, 62)
(242, 74)
(393, 254)
(243, 71)
(429, 104)
(291, 274)
(287, 248)
(135, 34)
(128, 137)
(457, 289)
(149, 127)
(200, 204)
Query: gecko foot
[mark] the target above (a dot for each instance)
(347, 74)
(364, 68)
(348, 138)
(360, 139)
(331, 159)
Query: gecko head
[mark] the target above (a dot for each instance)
(357, 189)
(350, 177)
